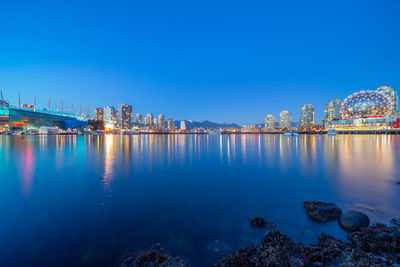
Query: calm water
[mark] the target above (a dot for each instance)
(89, 201)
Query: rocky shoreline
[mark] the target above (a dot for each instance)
(377, 245)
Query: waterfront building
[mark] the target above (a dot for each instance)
(365, 110)
(183, 125)
(161, 121)
(285, 120)
(26, 118)
(149, 120)
(110, 117)
(391, 93)
(270, 122)
(155, 122)
(170, 124)
(250, 127)
(139, 118)
(332, 110)
(99, 114)
(307, 116)
(125, 116)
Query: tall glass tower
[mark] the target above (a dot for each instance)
(391, 93)
(270, 122)
(307, 116)
(332, 110)
(285, 120)
(125, 117)
(161, 121)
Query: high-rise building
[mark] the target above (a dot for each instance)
(149, 120)
(307, 116)
(332, 110)
(125, 119)
(99, 114)
(110, 117)
(391, 93)
(183, 125)
(270, 122)
(285, 120)
(161, 121)
(155, 122)
(139, 118)
(170, 124)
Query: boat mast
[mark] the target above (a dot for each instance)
(70, 109)
(2, 101)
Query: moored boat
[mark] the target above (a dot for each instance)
(290, 134)
(332, 131)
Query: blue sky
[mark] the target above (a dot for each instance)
(225, 61)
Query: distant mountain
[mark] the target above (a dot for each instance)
(207, 125)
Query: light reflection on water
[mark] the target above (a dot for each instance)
(113, 194)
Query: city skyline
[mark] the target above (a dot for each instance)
(113, 117)
(213, 61)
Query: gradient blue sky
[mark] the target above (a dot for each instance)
(225, 61)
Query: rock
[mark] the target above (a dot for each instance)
(154, 256)
(276, 249)
(396, 221)
(353, 220)
(377, 239)
(375, 246)
(322, 211)
(260, 222)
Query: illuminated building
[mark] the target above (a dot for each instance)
(170, 124)
(332, 110)
(139, 118)
(365, 110)
(99, 114)
(155, 122)
(161, 121)
(270, 122)
(183, 125)
(149, 120)
(27, 118)
(307, 115)
(110, 117)
(125, 116)
(366, 104)
(391, 93)
(285, 120)
(250, 127)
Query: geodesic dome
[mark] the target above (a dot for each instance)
(365, 104)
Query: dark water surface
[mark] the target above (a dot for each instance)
(89, 201)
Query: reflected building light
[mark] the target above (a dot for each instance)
(109, 162)
(27, 168)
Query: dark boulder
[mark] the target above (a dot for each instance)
(396, 221)
(377, 239)
(260, 222)
(278, 249)
(353, 220)
(154, 256)
(322, 211)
